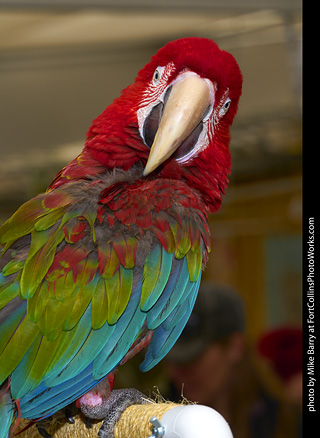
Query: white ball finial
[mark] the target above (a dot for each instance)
(195, 421)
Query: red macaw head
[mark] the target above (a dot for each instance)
(175, 118)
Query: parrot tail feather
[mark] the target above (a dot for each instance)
(6, 410)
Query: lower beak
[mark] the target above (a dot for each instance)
(190, 97)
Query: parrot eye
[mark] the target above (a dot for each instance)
(157, 75)
(225, 107)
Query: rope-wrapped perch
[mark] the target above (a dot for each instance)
(175, 420)
(136, 417)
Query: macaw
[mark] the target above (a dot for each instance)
(108, 260)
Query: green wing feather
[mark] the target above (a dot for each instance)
(119, 289)
(8, 292)
(156, 272)
(17, 346)
(39, 260)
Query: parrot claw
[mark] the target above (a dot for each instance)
(69, 412)
(41, 426)
(88, 423)
(42, 431)
(117, 403)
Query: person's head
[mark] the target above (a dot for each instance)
(204, 360)
(282, 348)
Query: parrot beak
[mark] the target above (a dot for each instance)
(187, 103)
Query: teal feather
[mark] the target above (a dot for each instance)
(50, 399)
(116, 349)
(170, 297)
(72, 343)
(180, 311)
(100, 305)
(166, 334)
(90, 348)
(21, 382)
(128, 328)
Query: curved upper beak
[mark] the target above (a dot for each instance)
(189, 99)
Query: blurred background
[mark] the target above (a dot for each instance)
(63, 62)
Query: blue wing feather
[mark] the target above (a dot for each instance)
(171, 295)
(167, 334)
(44, 401)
